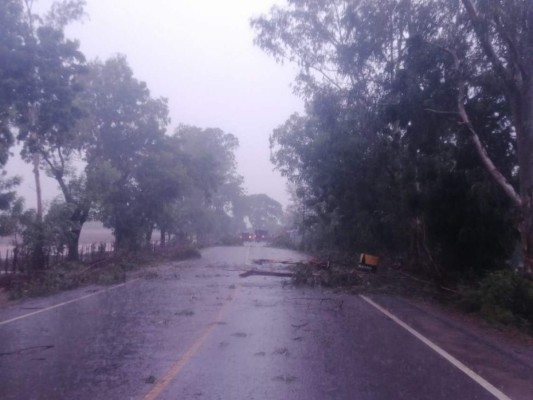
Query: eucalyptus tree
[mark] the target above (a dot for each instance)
(39, 84)
(349, 54)
(504, 41)
(15, 72)
(14, 69)
(385, 84)
(48, 111)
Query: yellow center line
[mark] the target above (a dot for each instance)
(176, 368)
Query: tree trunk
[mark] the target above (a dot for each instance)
(78, 218)
(37, 175)
(523, 116)
(517, 76)
(526, 231)
(73, 243)
(149, 233)
(37, 253)
(38, 256)
(163, 237)
(126, 240)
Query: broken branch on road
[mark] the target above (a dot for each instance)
(26, 350)
(266, 273)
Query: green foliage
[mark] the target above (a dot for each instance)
(230, 240)
(335, 276)
(111, 275)
(59, 226)
(378, 161)
(185, 254)
(125, 149)
(263, 212)
(282, 240)
(503, 297)
(39, 85)
(15, 70)
(209, 206)
(8, 202)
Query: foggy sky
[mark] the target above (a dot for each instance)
(200, 55)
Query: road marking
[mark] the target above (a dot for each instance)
(66, 302)
(454, 361)
(184, 359)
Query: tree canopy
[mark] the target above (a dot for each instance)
(98, 131)
(415, 140)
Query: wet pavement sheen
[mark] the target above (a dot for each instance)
(195, 330)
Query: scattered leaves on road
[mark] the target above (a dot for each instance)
(285, 378)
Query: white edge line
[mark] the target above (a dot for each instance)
(66, 302)
(454, 361)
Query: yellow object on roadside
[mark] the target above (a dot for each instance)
(368, 262)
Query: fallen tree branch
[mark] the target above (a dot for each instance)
(262, 261)
(266, 273)
(27, 349)
(299, 325)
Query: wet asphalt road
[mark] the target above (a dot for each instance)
(195, 330)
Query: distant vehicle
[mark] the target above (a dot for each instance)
(246, 236)
(261, 235)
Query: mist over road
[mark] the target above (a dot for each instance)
(195, 330)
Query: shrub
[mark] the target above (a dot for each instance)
(230, 240)
(283, 241)
(185, 254)
(111, 275)
(502, 296)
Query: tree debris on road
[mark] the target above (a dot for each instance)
(266, 273)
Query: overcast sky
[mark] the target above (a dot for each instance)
(200, 55)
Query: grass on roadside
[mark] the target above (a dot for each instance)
(70, 275)
(502, 297)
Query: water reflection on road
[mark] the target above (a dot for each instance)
(194, 329)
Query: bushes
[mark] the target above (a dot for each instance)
(283, 241)
(230, 240)
(185, 253)
(112, 274)
(503, 297)
(108, 271)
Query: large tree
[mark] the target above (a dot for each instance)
(124, 134)
(48, 111)
(357, 61)
(38, 88)
(15, 73)
(210, 207)
(504, 34)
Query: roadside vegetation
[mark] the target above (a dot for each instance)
(96, 129)
(501, 297)
(415, 144)
(109, 270)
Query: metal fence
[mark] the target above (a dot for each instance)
(19, 260)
